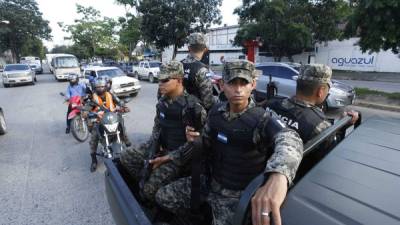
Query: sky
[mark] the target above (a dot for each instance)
(65, 11)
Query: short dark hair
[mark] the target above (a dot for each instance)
(197, 48)
(307, 88)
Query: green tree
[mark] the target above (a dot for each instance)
(96, 35)
(33, 47)
(130, 33)
(377, 23)
(169, 22)
(25, 24)
(289, 27)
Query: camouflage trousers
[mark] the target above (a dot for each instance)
(94, 141)
(133, 161)
(175, 198)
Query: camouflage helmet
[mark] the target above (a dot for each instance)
(172, 69)
(317, 73)
(197, 39)
(240, 68)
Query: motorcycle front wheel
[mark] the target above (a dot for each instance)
(79, 129)
(3, 126)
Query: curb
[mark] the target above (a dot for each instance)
(393, 108)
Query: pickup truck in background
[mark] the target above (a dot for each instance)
(353, 183)
(33, 62)
(147, 70)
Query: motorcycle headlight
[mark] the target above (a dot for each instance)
(111, 127)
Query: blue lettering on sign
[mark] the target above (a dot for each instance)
(343, 61)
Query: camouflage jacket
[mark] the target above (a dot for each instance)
(288, 146)
(167, 101)
(202, 83)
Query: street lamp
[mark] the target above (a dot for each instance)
(5, 21)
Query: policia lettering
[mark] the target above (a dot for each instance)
(299, 116)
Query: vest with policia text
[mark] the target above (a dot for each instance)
(300, 117)
(235, 160)
(172, 121)
(190, 71)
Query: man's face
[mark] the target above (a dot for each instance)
(169, 85)
(238, 90)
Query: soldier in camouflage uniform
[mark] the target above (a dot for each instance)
(173, 110)
(302, 112)
(241, 141)
(196, 79)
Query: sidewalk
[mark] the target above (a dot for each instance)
(366, 76)
(374, 105)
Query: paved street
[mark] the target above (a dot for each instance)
(374, 85)
(44, 173)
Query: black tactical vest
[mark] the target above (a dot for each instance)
(190, 71)
(172, 122)
(301, 118)
(235, 161)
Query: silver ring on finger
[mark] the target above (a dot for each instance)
(264, 214)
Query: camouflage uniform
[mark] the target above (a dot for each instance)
(308, 119)
(202, 83)
(133, 159)
(284, 159)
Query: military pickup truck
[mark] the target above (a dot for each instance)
(357, 182)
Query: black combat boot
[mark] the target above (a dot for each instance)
(93, 166)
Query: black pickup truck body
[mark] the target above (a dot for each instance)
(358, 182)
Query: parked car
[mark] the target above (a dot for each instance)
(3, 125)
(122, 85)
(354, 183)
(127, 67)
(110, 63)
(18, 74)
(285, 75)
(148, 70)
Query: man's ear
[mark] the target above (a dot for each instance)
(180, 80)
(319, 92)
(254, 84)
(221, 84)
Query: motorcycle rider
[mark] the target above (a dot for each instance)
(106, 99)
(75, 88)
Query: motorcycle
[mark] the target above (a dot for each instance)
(78, 117)
(110, 130)
(3, 126)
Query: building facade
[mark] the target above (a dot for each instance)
(339, 55)
(219, 43)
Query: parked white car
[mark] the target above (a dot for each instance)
(148, 70)
(17, 74)
(122, 85)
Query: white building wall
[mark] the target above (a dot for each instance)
(346, 55)
(219, 42)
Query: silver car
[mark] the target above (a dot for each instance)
(285, 75)
(18, 73)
